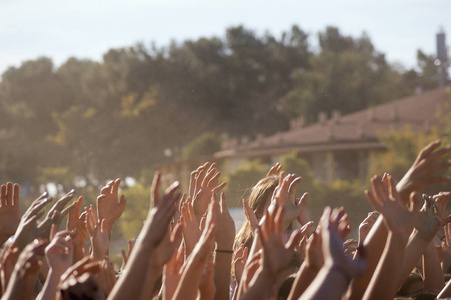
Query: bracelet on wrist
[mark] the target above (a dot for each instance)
(224, 251)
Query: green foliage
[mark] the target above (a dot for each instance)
(242, 179)
(138, 201)
(205, 144)
(350, 195)
(402, 147)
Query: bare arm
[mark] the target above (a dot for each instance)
(432, 271)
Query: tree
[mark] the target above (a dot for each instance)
(347, 75)
(206, 144)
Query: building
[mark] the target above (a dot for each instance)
(336, 148)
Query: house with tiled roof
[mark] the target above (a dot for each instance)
(336, 148)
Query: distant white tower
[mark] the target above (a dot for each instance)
(442, 59)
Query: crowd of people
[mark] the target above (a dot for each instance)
(189, 248)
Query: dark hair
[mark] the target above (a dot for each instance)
(285, 287)
(404, 290)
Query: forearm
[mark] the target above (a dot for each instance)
(261, 288)
(189, 283)
(374, 246)
(432, 271)
(415, 248)
(223, 263)
(78, 253)
(383, 284)
(148, 286)
(49, 290)
(304, 278)
(330, 284)
(19, 288)
(131, 281)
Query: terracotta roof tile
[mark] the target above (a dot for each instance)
(359, 129)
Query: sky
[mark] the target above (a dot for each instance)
(87, 29)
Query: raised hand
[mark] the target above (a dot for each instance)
(424, 170)
(277, 254)
(285, 195)
(206, 186)
(191, 231)
(78, 282)
(125, 255)
(77, 221)
(108, 207)
(239, 260)
(250, 215)
(225, 236)
(7, 260)
(332, 245)
(55, 215)
(163, 252)
(106, 278)
(59, 253)
(144, 260)
(157, 223)
(366, 225)
(100, 240)
(399, 219)
(313, 251)
(275, 170)
(27, 231)
(191, 276)
(9, 210)
(441, 200)
(23, 277)
(60, 204)
(302, 204)
(172, 273)
(430, 218)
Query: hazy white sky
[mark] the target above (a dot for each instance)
(87, 29)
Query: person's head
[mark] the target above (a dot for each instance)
(412, 286)
(259, 200)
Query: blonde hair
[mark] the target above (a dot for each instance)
(260, 195)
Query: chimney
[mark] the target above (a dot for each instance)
(426, 126)
(298, 122)
(330, 134)
(360, 131)
(322, 117)
(442, 59)
(336, 116)
(371, 114)
(394, 113)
